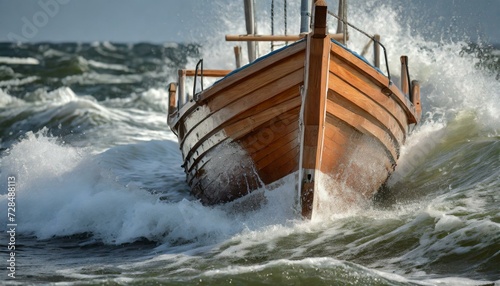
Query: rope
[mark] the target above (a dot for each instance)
(285, 2)
(284, 19)
(272, 23)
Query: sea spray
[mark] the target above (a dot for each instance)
(67, 191)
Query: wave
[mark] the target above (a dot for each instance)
(66, 191)
(19, 61)
(103, 70)
(61, 111)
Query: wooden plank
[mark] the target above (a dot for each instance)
(282, 167)
(277, 38)
(208, 73)
(379, 78)
(205, 140)
(366, 127)
(361, 82)
(278, 154)
(237, 76)
(361, 104)
(202, 139)
(339, 137)
(259, 147)
(276, 74)
(245, 126)
(265, 96)
(254, 68)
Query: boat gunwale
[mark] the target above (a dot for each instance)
(355, 60)
(349, 55)
(236, 76)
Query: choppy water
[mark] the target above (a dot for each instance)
(101, 197)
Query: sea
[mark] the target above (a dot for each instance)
(93, 192)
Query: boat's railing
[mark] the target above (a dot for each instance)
(375, 39)
(178, 96)
(409, 88)
(200, 62)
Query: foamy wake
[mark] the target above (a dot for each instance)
(63, 190)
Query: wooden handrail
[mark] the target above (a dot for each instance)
(277, 38)
(209, 73)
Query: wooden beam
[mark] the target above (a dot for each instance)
(376, 51)
(405, 85)
(314, 110)
(172, 91)
(237, 56)
(276, 38)
(209, 73)
(415, 99)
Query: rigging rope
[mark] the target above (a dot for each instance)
(284, 18)
(272, 23)
(284, 9)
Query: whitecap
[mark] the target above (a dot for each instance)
(19, 61)
(19, 82)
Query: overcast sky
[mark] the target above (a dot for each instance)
(180, 20)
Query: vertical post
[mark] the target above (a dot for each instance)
(183, 98)
(340, 24)
(376, 51)
(250, 25)
(415, 98)
(314, 107)
(237, 56)
(305, 16)
(344, 16)
(405, 85)
(172, 104)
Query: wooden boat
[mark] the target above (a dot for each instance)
(313, 109)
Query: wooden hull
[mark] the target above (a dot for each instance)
(313, 108)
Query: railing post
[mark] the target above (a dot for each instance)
(237, 55)
(172, 100)
(405, 85)
(183, 98)
(415, 98)
(200, 63)
(376, 51)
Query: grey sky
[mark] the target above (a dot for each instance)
(96, 20)
(181, 20)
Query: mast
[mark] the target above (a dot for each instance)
(251, 30)
(305, 16)
(341, 27)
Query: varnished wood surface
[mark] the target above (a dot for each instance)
(244, 132)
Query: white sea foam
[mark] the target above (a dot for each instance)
(108, 66)
(66, 190)
(19, 61)
(19, 82)
(6, 99)
(92, 78)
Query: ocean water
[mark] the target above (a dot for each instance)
(94, 172)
